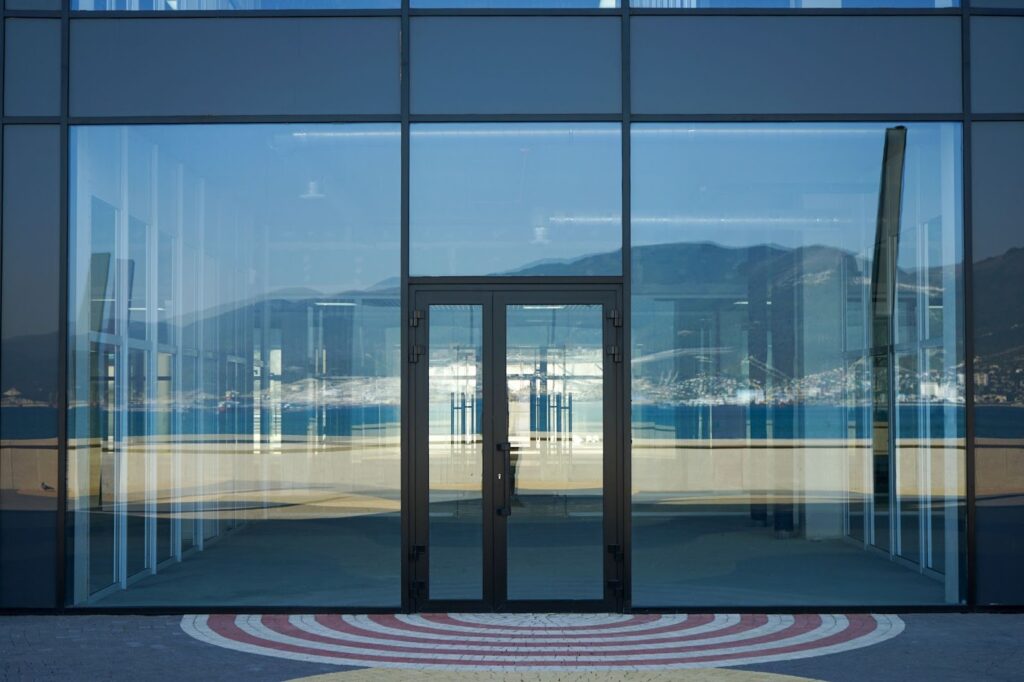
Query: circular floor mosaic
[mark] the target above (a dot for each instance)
(543, 641)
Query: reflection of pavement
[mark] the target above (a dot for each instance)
(543, 642)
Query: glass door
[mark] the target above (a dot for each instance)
(517, 453)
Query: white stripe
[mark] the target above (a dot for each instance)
(887, 627)
(253, 626)
(775, 624)
(719, 622)
(417, 620)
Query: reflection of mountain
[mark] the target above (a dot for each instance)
(999, 328)
(763, 322)
(999, 304)
(30, 367)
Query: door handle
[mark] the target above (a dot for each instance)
(505, 475)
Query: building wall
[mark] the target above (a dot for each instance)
(66, 68)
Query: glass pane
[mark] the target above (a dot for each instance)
(998, 205)
(234, 365)
(456, 451)
(515, 199)
(796, 4)
(518, 4)
(789, 411)
(555, 384)
(222, 5)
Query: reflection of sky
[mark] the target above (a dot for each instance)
(264, 208)
(492, 198)
(583, 4)
(792, 185)
(188, 5)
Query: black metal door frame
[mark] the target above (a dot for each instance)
(493, 299)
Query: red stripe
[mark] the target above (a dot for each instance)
(224, 625)
(392, 622)
(446, 619)
(337, 624)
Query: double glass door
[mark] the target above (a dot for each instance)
(517, 455)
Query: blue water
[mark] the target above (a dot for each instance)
(792, 421)
(688, 421)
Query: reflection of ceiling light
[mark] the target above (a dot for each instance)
(543, 307)
(312, 191)
(335, 304)
(540, 235)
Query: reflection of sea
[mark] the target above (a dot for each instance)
(684, 421)
(792, 421)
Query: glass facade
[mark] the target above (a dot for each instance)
(795, 4)
(498, 304)
(224, 5)
(234, 365)
(516, 199)
(797, 371)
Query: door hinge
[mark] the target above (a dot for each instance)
(616, 552)
(415, 317)
(615, 586)
(417, 589)
(615, 352)
(416, 552)
(415, 352)
(615, 316)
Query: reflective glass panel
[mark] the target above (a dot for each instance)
(518, 4)
(456, 451)
(29, 378)
(515, 199)
(795, 4)
(554, 370)
(223, 5)
(998, 297)
(797, 364)
(234, 365)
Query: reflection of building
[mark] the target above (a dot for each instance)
(447, 323)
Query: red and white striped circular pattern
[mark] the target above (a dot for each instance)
(543, 641)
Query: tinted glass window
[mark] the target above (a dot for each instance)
(997, 64)
(519, 4)
(32, 67)
(797, 382)
(515, 65)
(29, 379)
(246, 66)
(998, 203)
(795, 64)
(221, 5)
(796, 4)
(515, 199)
(234, 365)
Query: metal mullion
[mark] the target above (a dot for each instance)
(225, 119)
(85, 14)
(519, 118)
(624, 442)
(774, 117)
(515, 12)
(796, 12)
(407, 433)
(968, 322)
(491, 434)
(498, 366)
(63, 316)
